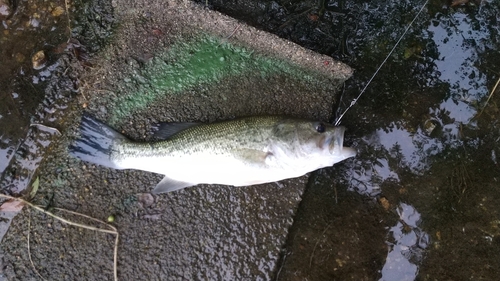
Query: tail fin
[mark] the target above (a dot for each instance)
(96, 143)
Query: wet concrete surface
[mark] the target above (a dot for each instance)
(419, 202)
(201, 233)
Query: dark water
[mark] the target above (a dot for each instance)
(28, 95)
(427, 132)
(27, 28)
(41, 43)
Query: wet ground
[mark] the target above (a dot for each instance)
(163, 65)
(420, 200)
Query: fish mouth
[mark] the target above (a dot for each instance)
(336, 144)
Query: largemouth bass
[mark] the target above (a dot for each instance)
(239, 152)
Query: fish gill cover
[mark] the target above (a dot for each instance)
(204, 59)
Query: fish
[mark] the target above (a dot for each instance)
(238, 152)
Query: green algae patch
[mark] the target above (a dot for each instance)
(189, 64)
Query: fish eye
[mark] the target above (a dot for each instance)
(320, 128)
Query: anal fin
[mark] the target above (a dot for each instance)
(167, 185)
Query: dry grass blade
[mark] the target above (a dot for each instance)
(29, 251)
(489, 97)
(112, 229)
(50, 129)
(66, 4)
(317, 242)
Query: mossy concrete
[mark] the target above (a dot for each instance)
(203, 60)
(173, 61)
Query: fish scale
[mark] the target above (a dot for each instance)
(226, 135)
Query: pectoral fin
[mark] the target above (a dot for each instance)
(253, 156)
(167, 185)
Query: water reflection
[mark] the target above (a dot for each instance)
(458, 45)
(460, 39)
(412, 149)
(27, 158)
(6, 152)
(406, 246)
(432, 154)
(418, 139)
(44, 74)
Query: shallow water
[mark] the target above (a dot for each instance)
(26, 29)
(34, 37)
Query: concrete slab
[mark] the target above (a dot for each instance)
(174, 61)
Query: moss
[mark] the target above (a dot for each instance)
(189, 64)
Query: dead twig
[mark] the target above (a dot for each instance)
(314, 249)
(234, 31)
(112, 229)
(489, 97)
(45, 127)
(293, 18)
(29, 251)
(230, 35)
(282, 265)
(67, 16)
(115, 231)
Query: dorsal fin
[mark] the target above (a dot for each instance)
(167, 129)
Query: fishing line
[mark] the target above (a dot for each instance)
(353, 102)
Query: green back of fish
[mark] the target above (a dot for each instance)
(220, 138)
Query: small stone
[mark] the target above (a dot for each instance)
(57, 11)
(39, 59)
(429, 126)
(19, 57)
(385, 203)
(5, 9)
(145, 199)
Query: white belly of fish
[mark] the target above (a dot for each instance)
(215, 169)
